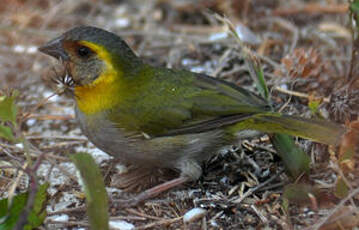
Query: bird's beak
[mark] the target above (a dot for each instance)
(55, 49)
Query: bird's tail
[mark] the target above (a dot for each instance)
(317, 130)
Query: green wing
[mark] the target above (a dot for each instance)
(168, 100)
(172, 102)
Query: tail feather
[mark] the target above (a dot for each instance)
(317, 130)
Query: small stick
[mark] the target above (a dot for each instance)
(299, 94)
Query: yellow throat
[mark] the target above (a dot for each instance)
(102, 93)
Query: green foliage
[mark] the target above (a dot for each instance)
(295, 160)
(8, 112)
(314, 106)
(95, 192)
(256, 72)
(6, 133)
(341, 188)
(8, 108)
(299, 194)
(10, 215)
(354, 8)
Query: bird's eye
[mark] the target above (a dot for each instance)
(84, 52)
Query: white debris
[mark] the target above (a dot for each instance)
(53, 98)
(198, 69)
(194, 214)
(189, 62)
(66, 201)
(111, 190)
(122, 22)
(121, 225)
(19, 145)
(79, 180)
(61, 218)
(284, 86)
(218, 36)
(19, 49)
(56, 177)
(36, 66)
(68, 110)
(25, 49)
(243, 32)
(31, 49)
(121, 168)
(246, 35)
(30, 122)
(213, 223)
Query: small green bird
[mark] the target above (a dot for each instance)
(156, 117)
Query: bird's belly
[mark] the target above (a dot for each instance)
(148, 152)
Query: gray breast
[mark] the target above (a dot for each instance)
(104, 135)
(141, 149)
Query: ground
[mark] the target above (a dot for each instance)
(305, 51)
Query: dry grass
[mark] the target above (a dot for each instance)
(241, 188)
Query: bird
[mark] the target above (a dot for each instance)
(155, 117)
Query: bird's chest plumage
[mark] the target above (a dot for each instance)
(104, 135)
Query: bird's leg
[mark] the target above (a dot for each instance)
(139, 178)
(190, 171)
(134, 179)
(152, 192)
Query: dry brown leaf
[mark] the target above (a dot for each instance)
(349, 147)
(345, 218)
(303, 63)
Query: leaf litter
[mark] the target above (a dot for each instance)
(304, 48)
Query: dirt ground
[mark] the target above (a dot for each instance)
(305, 49)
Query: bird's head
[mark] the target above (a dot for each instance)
(89, 52)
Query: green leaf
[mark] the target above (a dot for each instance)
(354, 7)
(299, 193)
(314, 106)
(10, 215)
(285, 206)
(256, 72)
(295, 160)
(96, 195)
(8, 109)
(6, 133)
(341, 188)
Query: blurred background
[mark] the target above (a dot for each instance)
(304, 46)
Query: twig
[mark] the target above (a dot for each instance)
(72, 138)
(66, 173)
(67, 211)
(299, 94)
(312, 8)
(41, 103)
(252, 190)
(127, 217)
(50, 117)
(259, 214)
(290, 27)
(159, 223)
(69, 223)
(133, 211)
